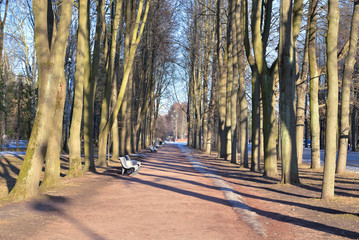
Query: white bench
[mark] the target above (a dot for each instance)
(130, 166)
(153, 149)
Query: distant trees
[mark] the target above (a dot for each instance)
(173, 124)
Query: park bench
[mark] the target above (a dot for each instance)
(130, 166)
(153, 149)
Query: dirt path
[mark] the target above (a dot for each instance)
(168, 200)
(179, 194)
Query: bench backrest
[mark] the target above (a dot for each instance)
(125, 164)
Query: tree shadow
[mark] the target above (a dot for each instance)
(53, 205)
(10, 180)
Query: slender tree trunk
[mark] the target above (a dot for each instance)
(314, 85)
(301, 102)
(243, 106)
(19, 95)
(235, 82)
(82, 73)
(111, 88)
(2, 112)
(129, 124)
(332, 101)
(345, 99)
(255, 159)
(90, 89)
(221, 86)
(354, 126)
(229, 86)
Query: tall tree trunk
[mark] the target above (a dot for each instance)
(50, 56)
(82, 73)
(221, 86)
(243, 106)
(314, 84)
(267, 85)
(123, 123)
(332, 101)
(129, 124)
(19, 95)
(52, 167)
(2, 112)
(301, 102)
(229, 86)
(354, 126)
(90, 89)
(111, 88)
(287, 95)
(345, 99)
(208, 50)
(255, 159)
(255, 92)
(235, 77)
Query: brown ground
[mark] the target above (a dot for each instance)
(170, 200)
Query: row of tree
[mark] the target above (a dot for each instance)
(270, 56)
(97, 73)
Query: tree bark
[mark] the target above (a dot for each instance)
(267, 85)
(243, 105)
(82, 73)
(332, 101)
(221, 87)
(90, 89)
(301, 102)
(345, 98)
(111, 88)
(314, 85)
(52, 167)
(50, 55)
(229, 86)
(287, 96)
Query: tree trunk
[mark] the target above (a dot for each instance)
(354, 127)
(267, 85)
(82, 73)
(345, 99)
(2, 113)
(314, 84)
(90, 89)
(52, 167)
(287, 95)
(111, 88)
(221, 86)
(229, 86)
(242, 124)
(332, 101)
(255, 159)
(50, 58)
(301, 101)
(235, 79)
